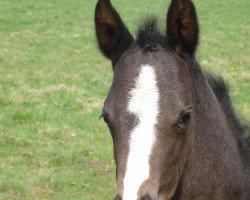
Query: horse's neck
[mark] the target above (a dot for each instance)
(213, 133)
(213, 160)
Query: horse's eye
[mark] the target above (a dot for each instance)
(105, 118)
(184, 120)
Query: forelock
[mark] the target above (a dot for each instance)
(149, 36)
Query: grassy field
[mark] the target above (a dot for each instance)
(53, 83)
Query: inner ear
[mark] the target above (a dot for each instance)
(182, 27)
(112, 35)
(106, 20)
(107, 34)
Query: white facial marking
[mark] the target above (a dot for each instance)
(144, 104)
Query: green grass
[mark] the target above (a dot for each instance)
(54, 81)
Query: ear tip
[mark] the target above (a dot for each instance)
(181, 3)
(181, 0)
(102, 1)
(103, 5)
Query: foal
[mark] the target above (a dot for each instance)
(174, 131)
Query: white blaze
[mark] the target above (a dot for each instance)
(144, 104)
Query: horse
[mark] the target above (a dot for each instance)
(175, 133)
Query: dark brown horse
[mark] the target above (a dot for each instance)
(174, 130)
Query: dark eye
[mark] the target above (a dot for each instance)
(105, 118)
(184, 120)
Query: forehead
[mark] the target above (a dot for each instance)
(169, 69)
(167, 65)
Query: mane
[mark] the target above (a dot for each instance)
(148, 36)
(221, 92)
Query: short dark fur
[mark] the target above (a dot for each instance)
(146, 197)
(207, 157)
(150, 38)
(221, 91)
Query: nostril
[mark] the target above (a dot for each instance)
(146, 197)
(118, 197)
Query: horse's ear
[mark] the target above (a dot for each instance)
(112, 35)
(182, 27)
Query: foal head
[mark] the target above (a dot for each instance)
(149, 108)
